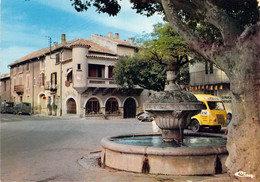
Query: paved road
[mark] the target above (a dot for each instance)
(42, 149)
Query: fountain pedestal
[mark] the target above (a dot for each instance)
(173, 108)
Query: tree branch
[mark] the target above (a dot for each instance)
(184, 31)
(229, 27)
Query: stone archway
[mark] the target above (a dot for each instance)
(92, 106)
(130, 108)
(71, 106)
(111, 106)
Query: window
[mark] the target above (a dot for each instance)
(203, 105)
(96, 70)
(54, 78)
(42, 79)
(20, 80)
(20, 68)
(57, 58)
(27, 67)
(42, 64)
(216, 105)
(211, 68)
(27, 81)
(69, 75)
(79, 67)
(112, 106)
(4, 85)
(92, 106)
(206, 68)
(110, 71)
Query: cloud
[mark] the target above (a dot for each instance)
(126, 20)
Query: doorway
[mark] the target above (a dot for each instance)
(130, 108)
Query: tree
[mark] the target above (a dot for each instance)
(147, 68)
(138, 70)
(235, 50)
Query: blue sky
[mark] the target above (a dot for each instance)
(26, 25)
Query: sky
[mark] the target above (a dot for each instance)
(27, 25)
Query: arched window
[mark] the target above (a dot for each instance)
(92, 106)
(112, 106)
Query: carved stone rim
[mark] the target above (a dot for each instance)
(107, 143)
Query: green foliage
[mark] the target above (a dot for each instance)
(245, 12)
(137, 70)
(147, 68)
(102, 6)
(165, 44)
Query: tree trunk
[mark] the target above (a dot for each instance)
(244, 135)
(240, 60)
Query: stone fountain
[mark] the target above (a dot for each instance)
(174, 152)
(173, 108)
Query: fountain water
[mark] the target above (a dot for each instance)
(174, 152)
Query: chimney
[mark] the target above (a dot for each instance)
(131, 41)
(110, 35)
(63, 38)
(116, 35)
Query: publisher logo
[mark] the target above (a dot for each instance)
(243, 174)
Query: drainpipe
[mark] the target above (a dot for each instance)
(61, 81)
(10, 97)
(33, 89)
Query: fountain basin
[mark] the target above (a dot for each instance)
(171, 160)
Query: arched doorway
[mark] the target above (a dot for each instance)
(71, 106)
(92, 106)
(130, 108)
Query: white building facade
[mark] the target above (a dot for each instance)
(75, 78)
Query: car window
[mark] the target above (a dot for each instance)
(204, 105)
(26, 104)
(216, 105)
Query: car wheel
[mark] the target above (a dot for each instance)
(216, 128)
(195, 126)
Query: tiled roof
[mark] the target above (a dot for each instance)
(75, 42)
(103, 57)
(5, 76)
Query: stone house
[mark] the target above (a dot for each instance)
(5, 86)
(76, 78)
(205, 78)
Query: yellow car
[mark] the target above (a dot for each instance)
(213, 115)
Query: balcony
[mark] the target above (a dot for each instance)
(53, 88)
(19, 89)
(101, 82)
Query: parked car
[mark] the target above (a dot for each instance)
(213, 115)
(7, 107)
(22, 108)
(143, 116)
